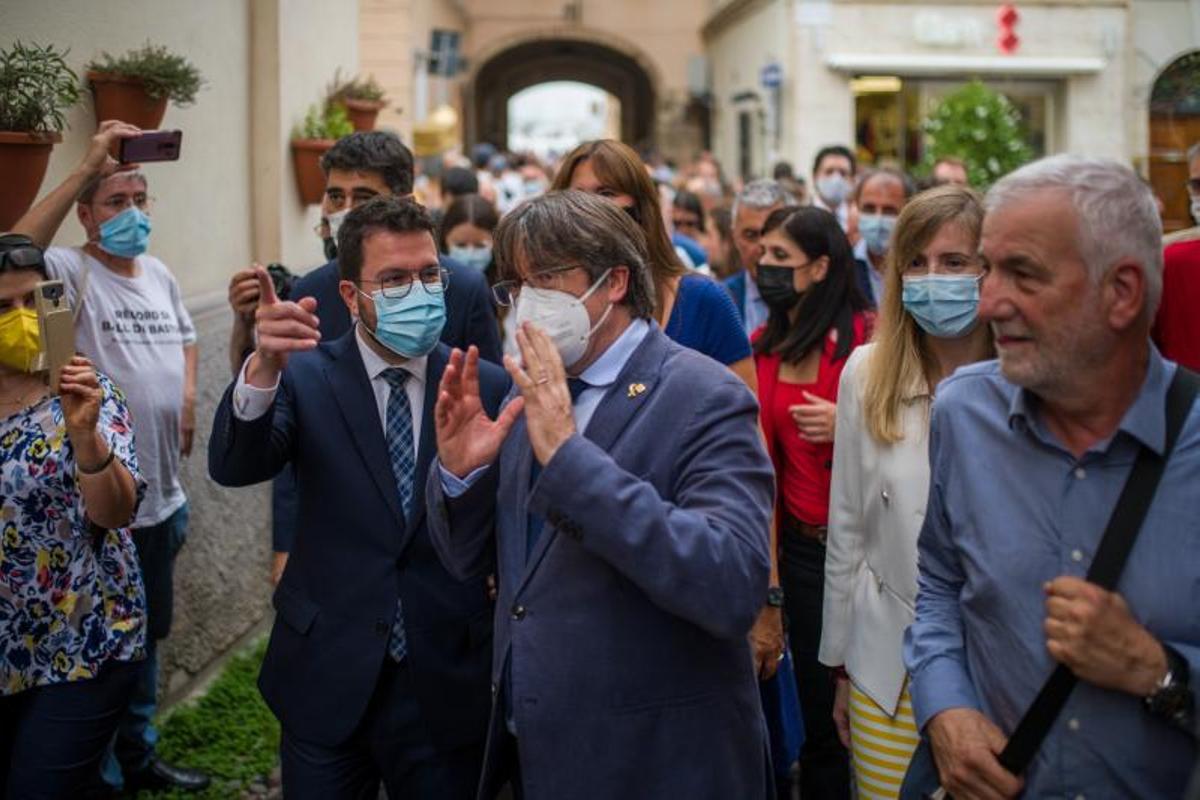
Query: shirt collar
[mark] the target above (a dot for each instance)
(1144, 420)
(752, 293)
(376, 365)
(605, 370)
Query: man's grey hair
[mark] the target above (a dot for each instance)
(760, 194)
(1118, 217)
(1193, 153)
(88, 192)
(575, 229)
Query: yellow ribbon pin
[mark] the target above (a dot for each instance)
(635, 389)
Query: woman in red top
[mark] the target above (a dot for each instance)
(817, 316)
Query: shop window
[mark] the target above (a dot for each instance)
(1174, 126)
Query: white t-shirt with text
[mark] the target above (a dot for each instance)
(134, 330)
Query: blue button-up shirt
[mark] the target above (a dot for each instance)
(1011, 508)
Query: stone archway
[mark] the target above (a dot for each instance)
(557, 58)
(1174, 126)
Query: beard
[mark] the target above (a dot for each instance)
(1050, 362)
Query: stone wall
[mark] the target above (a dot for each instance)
(222, 595)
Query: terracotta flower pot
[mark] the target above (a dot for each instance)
(23, 161)
(362, 113)
(119, 97)
(306, 158)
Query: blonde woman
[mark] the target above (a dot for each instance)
(927, 328)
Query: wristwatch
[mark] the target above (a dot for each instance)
(775, 597)
(1172, 699)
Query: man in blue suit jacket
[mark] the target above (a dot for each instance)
(359, 167)
(378, 661)
(625, 510)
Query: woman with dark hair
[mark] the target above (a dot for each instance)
(465, 235)
(72, 605)
(692, 309)
(817, 317)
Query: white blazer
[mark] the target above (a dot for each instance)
(876, 507)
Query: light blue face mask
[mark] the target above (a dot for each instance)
(477, 258)
(409, 326)
(127, 235)
(876, 231)
(945, 306)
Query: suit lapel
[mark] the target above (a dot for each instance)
(621, 401)
(348, 379)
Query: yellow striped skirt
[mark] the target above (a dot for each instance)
(881, 746)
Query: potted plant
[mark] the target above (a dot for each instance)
(136, 86)
(36, 89)
(320, 129)
(983, 128)
(363, 98)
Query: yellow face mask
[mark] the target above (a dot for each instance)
(20, 342)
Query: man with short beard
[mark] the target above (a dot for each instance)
(1028, 456)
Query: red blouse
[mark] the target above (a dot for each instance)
(803, 469)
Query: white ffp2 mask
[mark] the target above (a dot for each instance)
(562, 316)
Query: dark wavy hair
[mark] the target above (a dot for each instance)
(379, 152)
(831, 303)
(382, 213)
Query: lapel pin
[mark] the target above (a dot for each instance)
(635, 389)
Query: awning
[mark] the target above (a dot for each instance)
(922, 64)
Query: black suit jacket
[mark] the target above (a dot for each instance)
(470, 320)
(355, 553)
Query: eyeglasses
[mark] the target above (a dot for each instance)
(1193, 187)
(119, 202)
(690, 224)
(19, 252)
(397, 285)
(505, 293)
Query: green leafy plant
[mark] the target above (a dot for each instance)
(354, 89)
(228, 733)
(36, 88)
(983, 128)
(329, 122)
(163, 73)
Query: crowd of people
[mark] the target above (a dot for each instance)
(599, 478)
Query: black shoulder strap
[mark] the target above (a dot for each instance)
(1119, 536)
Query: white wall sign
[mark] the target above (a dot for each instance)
(814, 13)
(932, 29)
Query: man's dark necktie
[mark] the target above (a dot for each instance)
(535, 523)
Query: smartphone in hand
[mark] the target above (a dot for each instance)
(56, 326)
(151, 146)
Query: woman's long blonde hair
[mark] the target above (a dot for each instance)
(900, 358)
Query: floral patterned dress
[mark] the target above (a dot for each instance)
(70, 600)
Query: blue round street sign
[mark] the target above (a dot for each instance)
(771, 76)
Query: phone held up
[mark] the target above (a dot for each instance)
(151, 146)
(56, 326)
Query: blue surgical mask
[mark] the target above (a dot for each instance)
(409, 326)
(127, 235)
(876, 231)
(945, 306)
(477, 258)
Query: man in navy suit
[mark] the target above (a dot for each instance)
(378, 661)
(623, 501)
(359, 167)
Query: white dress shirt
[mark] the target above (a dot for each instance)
(876, 508)
(251, 402)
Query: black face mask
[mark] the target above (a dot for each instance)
(776, 287)
(330, 245)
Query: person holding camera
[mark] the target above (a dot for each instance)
(72, 607)
(131, 322)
